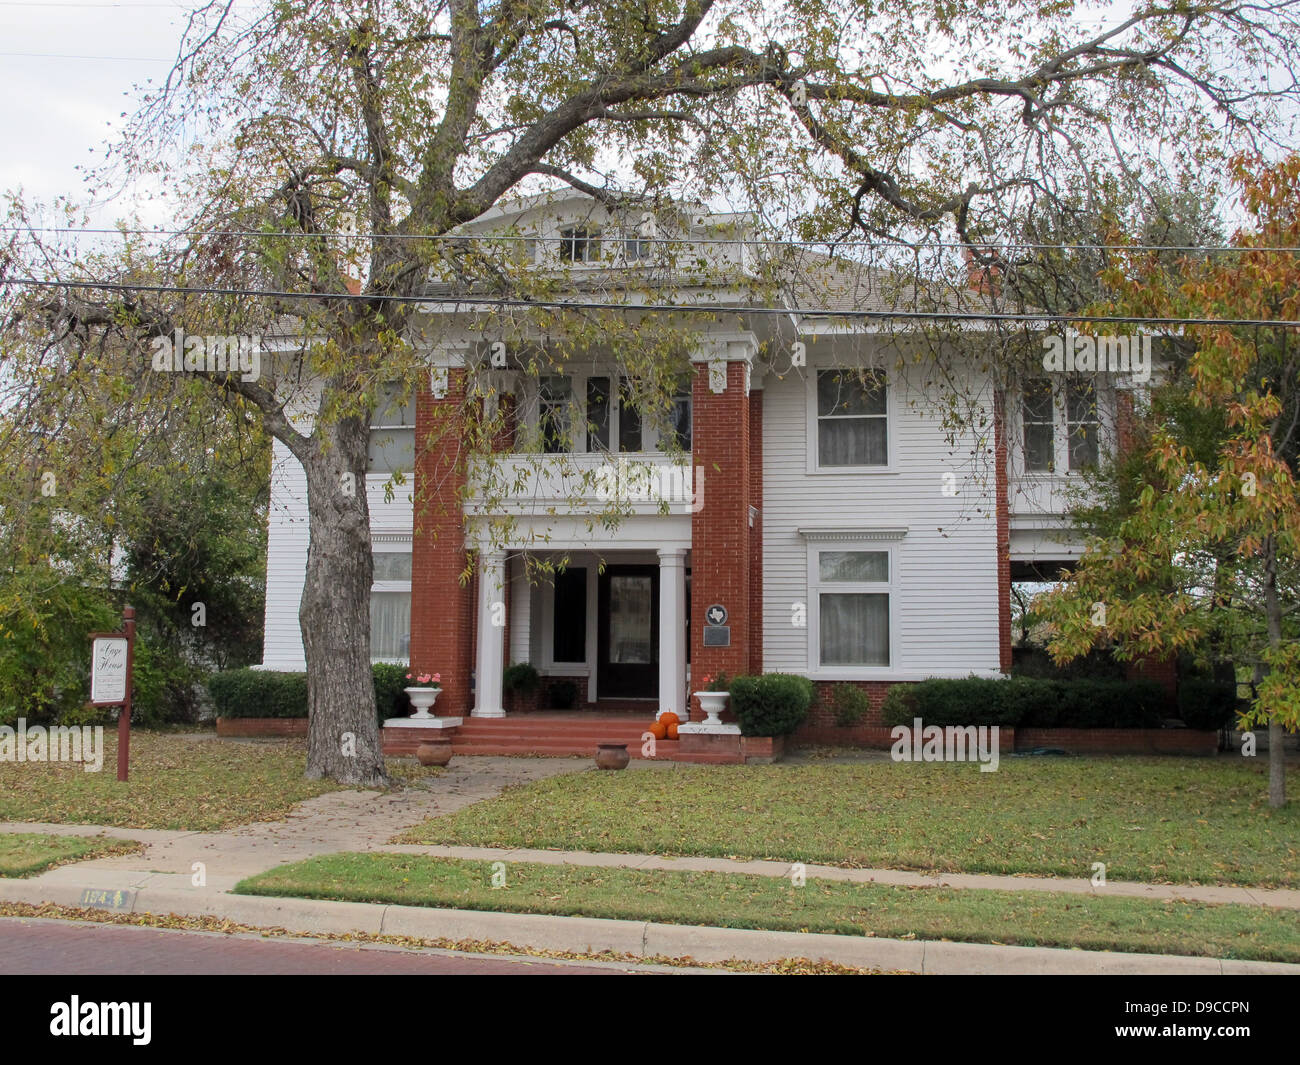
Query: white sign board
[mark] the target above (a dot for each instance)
(108, 670)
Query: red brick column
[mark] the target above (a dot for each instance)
(756, 532)
(1003, 531)
(720, 533)
(442, 617)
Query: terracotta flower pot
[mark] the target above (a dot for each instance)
(612, 756)
(434, 752)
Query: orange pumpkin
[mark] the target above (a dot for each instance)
(672, 728)
(659, 730)
(670, 719)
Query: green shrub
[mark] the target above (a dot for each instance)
(521, 677)
(773, 704)
(390, 693)
(259, 693)
(1030, 702)
(849, 705)
(967, 701)
(1206, 704)
(270, 693)
(1086, 703)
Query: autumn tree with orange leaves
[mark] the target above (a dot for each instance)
(1164, 581)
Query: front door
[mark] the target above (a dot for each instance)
(628, 654)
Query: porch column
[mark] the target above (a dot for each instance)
(672, 633)
(491, 635)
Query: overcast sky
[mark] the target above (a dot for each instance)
(68, 71)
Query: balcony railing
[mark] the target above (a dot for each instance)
(585, 484)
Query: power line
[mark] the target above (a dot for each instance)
(470, 303)
(110, 58)
(632, 234)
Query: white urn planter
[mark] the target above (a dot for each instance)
(713, 703)
(422, 699)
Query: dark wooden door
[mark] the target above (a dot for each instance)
(627, 664)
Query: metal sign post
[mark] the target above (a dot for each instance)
(112, 662)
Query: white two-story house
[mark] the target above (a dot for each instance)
(805, 500)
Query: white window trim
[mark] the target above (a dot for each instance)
(393, 544)
(881, 540)
(1107, 430)
(544, 596)
(814, 468)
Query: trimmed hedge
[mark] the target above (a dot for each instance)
(1029, 702)
(773, 704)
(1206, 704)
(268, 693)
(258, 693)
(849, 705)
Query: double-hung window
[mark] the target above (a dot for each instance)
(390, 606)
(392, 431)
(852, 419)
(852, 592)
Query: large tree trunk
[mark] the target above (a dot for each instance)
(343, 730)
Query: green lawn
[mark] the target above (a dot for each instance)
(175, 783)
(29, 853)
(743, 901)
(1180, 820)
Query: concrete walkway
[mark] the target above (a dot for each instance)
(193, 873)
(329, 823)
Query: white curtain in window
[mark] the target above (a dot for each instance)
(852, 442)
(390, 625)
(854, 629)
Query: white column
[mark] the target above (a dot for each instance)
(672, 633)
(491, 635)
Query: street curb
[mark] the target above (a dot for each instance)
(591, 935)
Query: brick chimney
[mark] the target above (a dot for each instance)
(985, 280)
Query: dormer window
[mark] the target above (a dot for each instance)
(579, 244)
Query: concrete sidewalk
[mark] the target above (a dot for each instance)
(163, 893)
(193, 874)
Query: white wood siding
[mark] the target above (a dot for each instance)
(286, 550)
(946, 578)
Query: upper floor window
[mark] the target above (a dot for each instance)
(1082, 423)
(852, 419)
(1060, 425)
(679, 422)
(579, 244)
(392, 431)
(555, 414)
(601, 413)
(1039, 421)
(636, 247)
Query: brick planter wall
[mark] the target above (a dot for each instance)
(261, 726)
(1120, 740)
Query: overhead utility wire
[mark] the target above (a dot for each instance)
(631, 235)
(471, 303)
